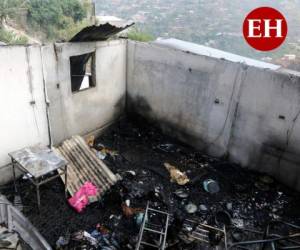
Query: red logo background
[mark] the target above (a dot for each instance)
(265, 43)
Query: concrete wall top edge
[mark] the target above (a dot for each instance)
(281, 71)
(98, 43)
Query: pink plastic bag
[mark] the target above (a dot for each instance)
(90, 189)
(81, 198)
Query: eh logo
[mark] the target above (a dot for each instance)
(265, 29)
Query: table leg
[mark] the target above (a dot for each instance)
(14, 174)
(66, 181)
(38, 196)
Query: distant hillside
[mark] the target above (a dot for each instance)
(214, 23)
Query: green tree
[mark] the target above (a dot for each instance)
(44, 12)
(52, 16)
(9, 37)
(73, 9)
(138, 35)
(10, 8)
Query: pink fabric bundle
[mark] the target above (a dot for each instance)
(81, 198)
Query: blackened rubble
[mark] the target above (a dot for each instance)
(241, 198)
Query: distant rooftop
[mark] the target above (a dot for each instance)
(207, 51)
(109, 18)
(113, 20)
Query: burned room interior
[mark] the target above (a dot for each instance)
(146, 146)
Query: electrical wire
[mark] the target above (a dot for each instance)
(32, 95)
(46, 100)
(228, 111)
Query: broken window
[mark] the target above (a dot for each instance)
(82, 72)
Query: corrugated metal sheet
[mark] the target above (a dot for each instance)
(98, 33)
(85, 166)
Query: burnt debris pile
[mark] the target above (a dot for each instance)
(170, 196)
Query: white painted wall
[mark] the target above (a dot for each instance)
(21, 81)
(88, 110)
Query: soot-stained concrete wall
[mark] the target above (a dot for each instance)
(91, 109)
(228, 109)
(266, 131)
